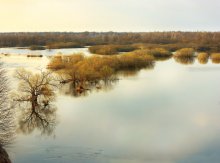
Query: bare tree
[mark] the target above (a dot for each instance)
(7, 127)
(36, 91)
(35, 88)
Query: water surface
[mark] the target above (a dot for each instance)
(170, 114)
(46, 52)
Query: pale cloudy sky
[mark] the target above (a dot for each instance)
(109, 15)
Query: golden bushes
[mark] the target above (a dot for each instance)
(215, 57)
(184, 52)
(111, 49)
(81, 68)
(60, 45)
(203, 58)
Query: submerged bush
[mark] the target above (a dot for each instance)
(135, 60)
(60, 45)
(203, 58)
(35, 55)
(215, 57)
(81, 69)
(111, 49)
(103, 49)
(160, 53)
(36, 47)
(56, 63)
(184, 52)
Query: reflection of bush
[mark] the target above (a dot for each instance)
(215, 57)
(185, 60)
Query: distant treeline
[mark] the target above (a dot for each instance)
(201, 41)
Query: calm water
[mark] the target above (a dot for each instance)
(170, 114)
(25, 51)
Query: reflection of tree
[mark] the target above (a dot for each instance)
(36, 91)
(42, 118)
(185, 60)
(6, 118)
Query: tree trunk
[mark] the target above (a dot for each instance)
(4, 158)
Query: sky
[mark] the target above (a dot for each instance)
(109, 15)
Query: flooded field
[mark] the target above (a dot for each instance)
(168, 114)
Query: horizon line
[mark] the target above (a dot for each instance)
(192, 31)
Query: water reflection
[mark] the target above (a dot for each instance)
(150, 118)
(79, 90)
(203, 60)
(7, 126)
(42, 118)
(163, 58)
(185, 60)
(216, 61)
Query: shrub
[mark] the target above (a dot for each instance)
(34, 55)
(203, 57)
(36, 47)
(160, 52)
(135, 60)
(184, 52)
(103, 49)
(215, 57)
(61, 45)
(125, 48)
(80, 68)
(111, 49)
(56, 63)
